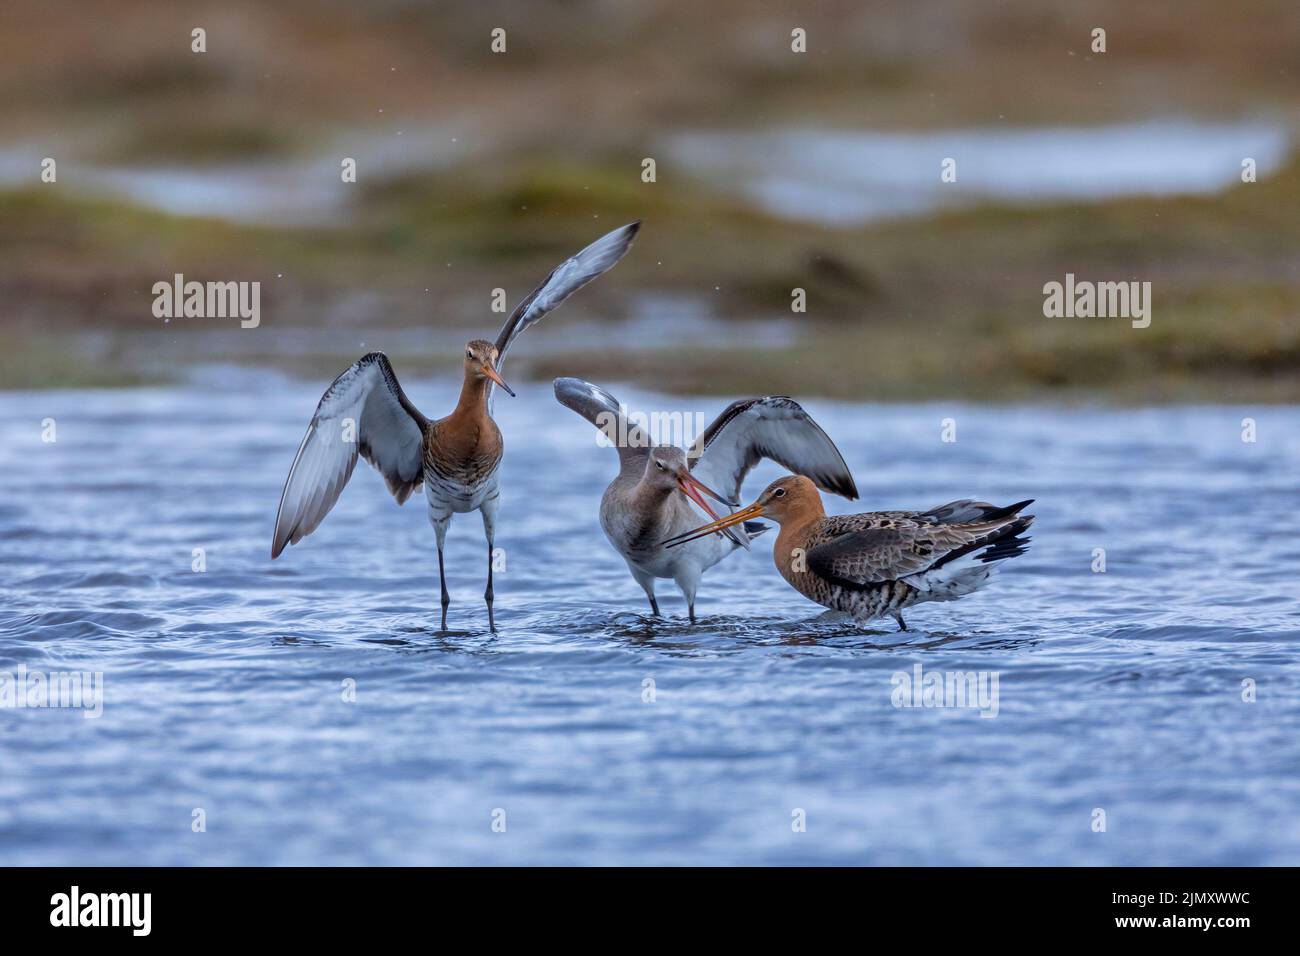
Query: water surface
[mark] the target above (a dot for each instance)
(1119, 690)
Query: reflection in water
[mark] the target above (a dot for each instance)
(224, 689)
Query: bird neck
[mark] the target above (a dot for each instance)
(473, 396)
(651, 492)
(797, 521)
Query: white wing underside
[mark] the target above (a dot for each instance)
(567, 278)
(364, 413)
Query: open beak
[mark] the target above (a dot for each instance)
(722, 524)
(695, 489)
(491, 373)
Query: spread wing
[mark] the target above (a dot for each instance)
(567, 278)
(364, 412)
(775, 427)
(602, 409)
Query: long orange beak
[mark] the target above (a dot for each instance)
(695, 489)
(721, 524)
(491, 373)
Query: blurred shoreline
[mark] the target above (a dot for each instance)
(775, 172)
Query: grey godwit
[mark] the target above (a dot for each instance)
(881, 562)
(366, 413)
(647, 502)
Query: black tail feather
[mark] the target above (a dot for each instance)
(1014, 544)
(1005, 542)
(967, 511)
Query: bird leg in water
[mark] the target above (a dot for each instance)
(898, 616)
(487, 595)
(489, 512)
(648, 586)
(442, 579)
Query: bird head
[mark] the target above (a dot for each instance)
(481, 363)
(786, 497)
(782, 500)
(667, 470)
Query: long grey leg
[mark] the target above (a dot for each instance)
(487, 595)
(489, 510)
(648, 586)
(898, 616)
(689, 584)
(440, 529)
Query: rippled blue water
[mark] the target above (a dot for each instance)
(1119, 690)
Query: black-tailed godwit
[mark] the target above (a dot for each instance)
(647, 502)
(880, 562)
(366, 413)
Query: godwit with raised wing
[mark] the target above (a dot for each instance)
(647, 503)
(881, 562)
(365, 412)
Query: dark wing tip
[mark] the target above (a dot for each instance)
(837, 484)
(847, 488)
(625, 236)
(1007, 512)
(841, 484)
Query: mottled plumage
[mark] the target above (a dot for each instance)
(882, 562)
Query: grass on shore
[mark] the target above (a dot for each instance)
(938, 307)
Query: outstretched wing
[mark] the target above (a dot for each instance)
(775, 427)
(567, 278)
(602, 409)
(364, 412)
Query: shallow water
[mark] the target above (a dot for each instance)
(296, 190)
(1119, 690)
(847, 177)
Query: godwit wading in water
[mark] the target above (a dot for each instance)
(647, 502)
(365, 412)
(881, 562)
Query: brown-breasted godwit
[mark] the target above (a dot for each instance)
(365, 412)
(647, 502)
(881, 562)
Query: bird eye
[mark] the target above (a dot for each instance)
(659, 464)
(779, 493)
